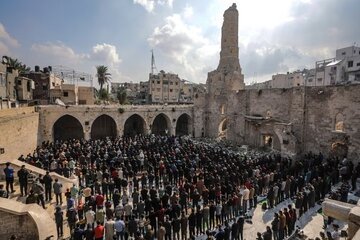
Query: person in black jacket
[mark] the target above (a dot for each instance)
(192, 223)
(48, 183)
(235, 231)
(241, 221)
(23, 174)
(199, 220)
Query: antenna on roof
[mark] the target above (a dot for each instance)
(153, 66)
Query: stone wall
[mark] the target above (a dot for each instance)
(22, 226)
(323, 104)
(18, 132)
(302, 119)
(88, 114)
(26, 221)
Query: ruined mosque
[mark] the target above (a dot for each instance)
(291, 121)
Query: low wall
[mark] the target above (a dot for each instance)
(16, 165)
(25, 221)
(18, 132)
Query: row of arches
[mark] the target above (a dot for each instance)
(69, 127)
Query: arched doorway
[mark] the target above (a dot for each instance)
(223, 126)
(103, 126)
(67, 127)
(161, 125)
(134, 125)
(271, 141)
(183, 125)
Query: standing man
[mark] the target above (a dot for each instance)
(38, 189)
(58, 191)
(23, 180)
(47, 180)
(9, 178)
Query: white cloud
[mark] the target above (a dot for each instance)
(59, 53)
(58, 50)
(106, 53)
(147, 4)
(185, 46)
(165, 2)
(188, 11)
(150, 5)
(6, 38)
(7, 42)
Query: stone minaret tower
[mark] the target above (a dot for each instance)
(229, 55)
(227, 77)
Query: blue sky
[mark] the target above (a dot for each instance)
(274, 36)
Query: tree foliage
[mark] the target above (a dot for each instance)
(121, 95)
(103, 75)
(17, 65)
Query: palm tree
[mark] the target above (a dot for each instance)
(103, 75)
(17, 65)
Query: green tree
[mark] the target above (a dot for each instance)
(17, 65)
(103, 75)
(121, 95)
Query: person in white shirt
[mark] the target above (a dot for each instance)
(90, 217)
(246, 194)
(218, 213)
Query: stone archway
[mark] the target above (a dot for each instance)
(103, 126)
(134, 125)
(183, 125)
(67, 127)
(223, 127)
(161, 125)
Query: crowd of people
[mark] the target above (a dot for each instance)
(147, 187)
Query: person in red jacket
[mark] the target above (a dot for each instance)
(99, 231)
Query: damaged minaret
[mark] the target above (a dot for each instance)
(228, 76)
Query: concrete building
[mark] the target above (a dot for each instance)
(44, 82)
(14, 90)
(288, 80)
(343, 69)
(169, 88)
(71, 94)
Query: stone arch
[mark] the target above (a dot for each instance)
(271, 140)
(223, 127)
(134, 125)
(183, 125)
(339, 122)
(161, 125)
(67, 127)
(103, 126)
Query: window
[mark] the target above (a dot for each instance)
(66, 94)
(339, 123)
(350, 64)
(310, 80)
(28, 86)
(19, 82)
(153, 81)
(158, 82)
(44, 86)
(158, 89)
(319, 79)
(171, 90)
(358, 64)
(171, 83)
(176, 83)
(343, 53)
